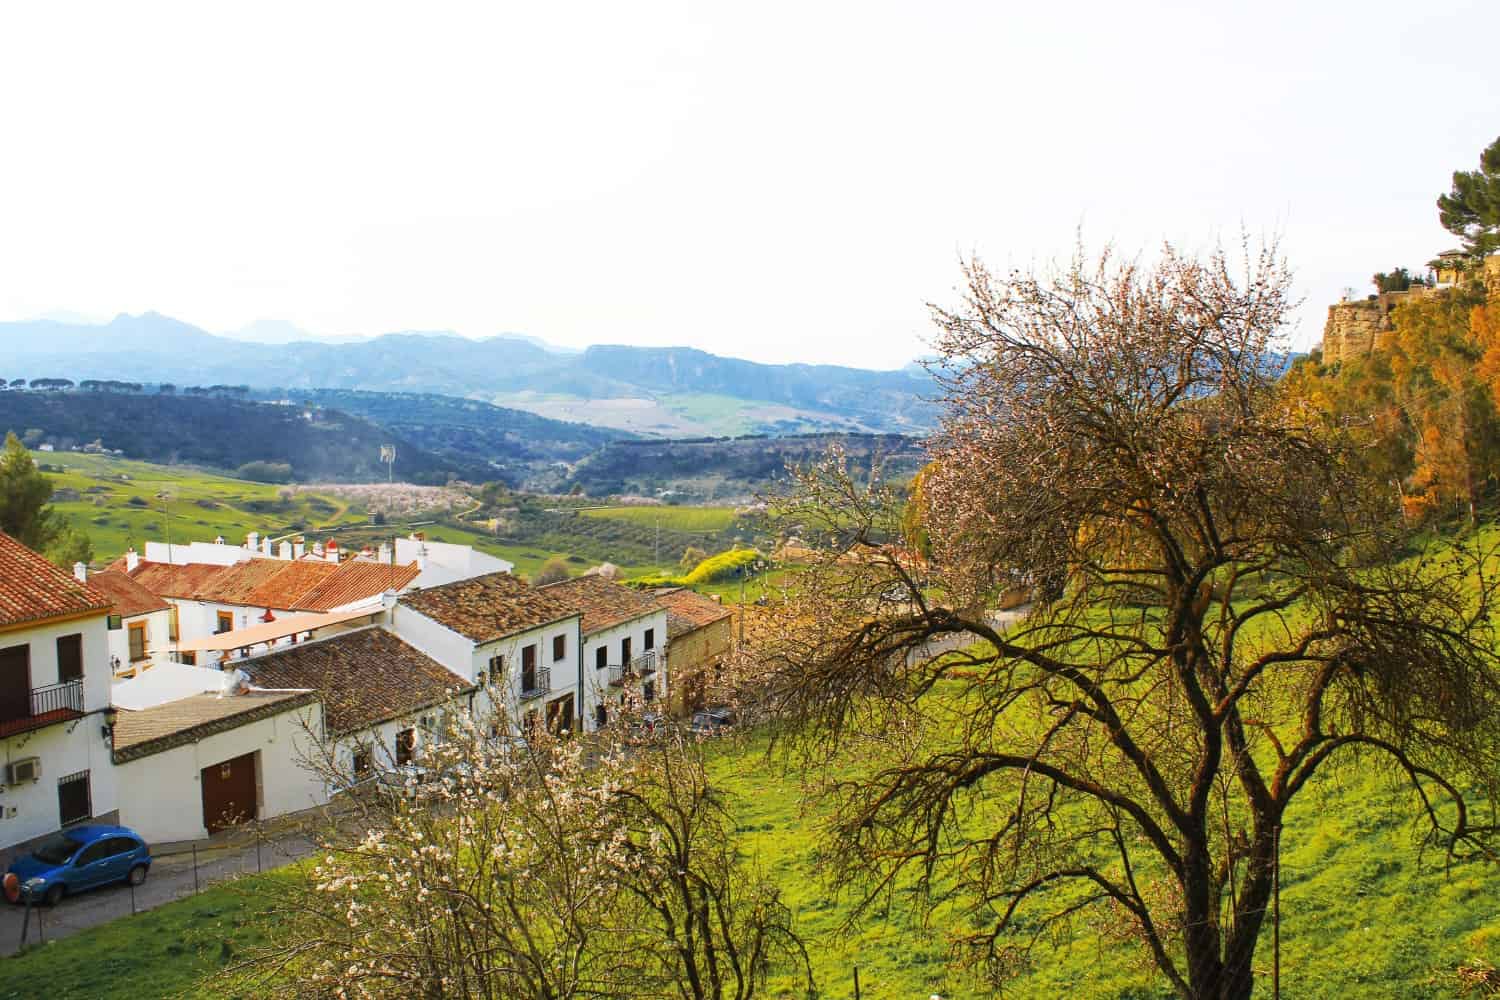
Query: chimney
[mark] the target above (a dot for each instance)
(265, 546)
(317, 550)
(252, 541)
(331, 550)
(218, 539)
(383, 554)
(285, 551)
(81, 571)
(132, 559)
(299, 547)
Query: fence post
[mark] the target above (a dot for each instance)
(856, 982)
(26, 920)
(132, 896)
(259, 868)
(195, 869)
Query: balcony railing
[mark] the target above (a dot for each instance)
(538, 684)
(46, 705)
(640, 668)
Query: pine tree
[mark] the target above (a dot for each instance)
(1471, 210)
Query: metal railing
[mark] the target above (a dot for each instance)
(641, 667)
(55, 697)
(541, 683)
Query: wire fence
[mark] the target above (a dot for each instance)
(176, 872)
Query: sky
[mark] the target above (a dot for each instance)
(774, 181)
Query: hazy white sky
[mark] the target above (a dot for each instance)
(774, 181)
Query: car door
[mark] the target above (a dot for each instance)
(117, 858)
(89, 866)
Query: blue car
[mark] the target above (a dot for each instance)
(80, 858)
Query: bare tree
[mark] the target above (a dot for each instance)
(1222, 611)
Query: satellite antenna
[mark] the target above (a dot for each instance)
(388, 456)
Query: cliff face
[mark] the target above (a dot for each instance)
(1354, 328)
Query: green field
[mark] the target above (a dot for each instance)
(120, 503)
(708, 520)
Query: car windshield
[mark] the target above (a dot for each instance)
(56, 849)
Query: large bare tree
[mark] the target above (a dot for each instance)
(1222, 609)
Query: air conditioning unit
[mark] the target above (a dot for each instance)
(25, 769)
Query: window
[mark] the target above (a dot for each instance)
(601, 716)
(406, 746)
(190, 658)
(137, 641)
(559, 647)
(625, 651)
(649, 642)
(648, 691)
(601, 657)
(528, 668)
(172, 624)
(225, 622)
(74, 804)
(360, 763)
(69, 658)
(97, 851)
(497, 668)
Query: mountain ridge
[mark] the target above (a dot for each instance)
(695, 390)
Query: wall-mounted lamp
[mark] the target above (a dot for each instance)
(108, 731)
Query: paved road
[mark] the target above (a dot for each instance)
(171, 878)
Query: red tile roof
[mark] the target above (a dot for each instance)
(32, 589)
(364, 677)
(128, 596)
(688, 611)
(489, 607)
(604, 603)
(358, 581)
(291, 583)
(300, 585)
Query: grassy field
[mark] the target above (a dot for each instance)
(166, 952)
(120, 503)
(694, 519)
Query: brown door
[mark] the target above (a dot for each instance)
(15, 683)
(229, 793)
(560, 715)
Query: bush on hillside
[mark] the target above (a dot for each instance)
(265, 472)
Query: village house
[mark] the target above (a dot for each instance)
(54, 699)
(624, 634)
(197, 750)
(382, 698)
(143, 626)
(498, 632)
(700, 637)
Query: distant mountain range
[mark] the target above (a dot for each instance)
(666, 391)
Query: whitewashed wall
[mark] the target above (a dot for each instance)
(161, 796)
(596, 681)
(158, 639)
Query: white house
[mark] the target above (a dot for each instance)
(54, 699)
(196, 751)
(381, 696)
(624, 635)
(142, 627)
(522, 640)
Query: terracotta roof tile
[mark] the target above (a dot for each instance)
(177, 723)
(358, 581)
(489, 607)
(173, 580)
(363, 677)
(291, 583)
(128, 596)
(32, 589)
(688, 611)
(604, 603)
(237, 584)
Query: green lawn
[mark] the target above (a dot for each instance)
(166, 952)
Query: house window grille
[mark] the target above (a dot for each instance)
(74, 803)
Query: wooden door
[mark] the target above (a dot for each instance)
(229, 792)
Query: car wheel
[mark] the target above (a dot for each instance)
(137, 875)
(54, 893)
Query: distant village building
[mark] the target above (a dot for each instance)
(624, 643)
(700, 637)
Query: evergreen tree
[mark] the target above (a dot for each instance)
(1471, 210)
(25, 514)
